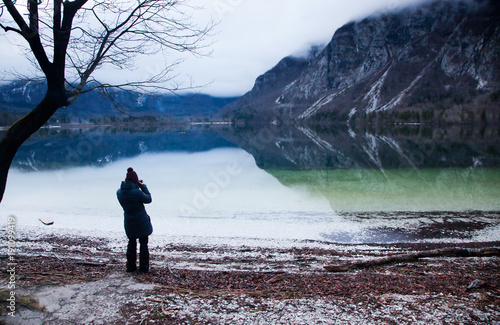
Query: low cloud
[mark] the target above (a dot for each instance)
(250, 38)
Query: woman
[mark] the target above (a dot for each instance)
(132, 195)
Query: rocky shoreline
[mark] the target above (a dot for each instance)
(82, 280)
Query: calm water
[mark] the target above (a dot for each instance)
(297, 183)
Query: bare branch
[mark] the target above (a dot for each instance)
(150, 27)
(111, 34)
(9, 29)
(29, 34)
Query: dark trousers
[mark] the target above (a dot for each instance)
(143, 254)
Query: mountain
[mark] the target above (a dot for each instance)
(18, 98)
(436, 62)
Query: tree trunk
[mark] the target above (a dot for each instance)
(20, 131)
(411, 257)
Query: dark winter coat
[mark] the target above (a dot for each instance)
(132, 199)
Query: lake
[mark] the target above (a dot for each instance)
(297, 183)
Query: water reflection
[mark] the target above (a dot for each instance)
(410, 169)
(58, 148)
(292, 148)
(335, 184)
(340, 147)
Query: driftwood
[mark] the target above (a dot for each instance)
(411, 257)
(46, 221)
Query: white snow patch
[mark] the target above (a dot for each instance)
(352, 112)
(373, 96)
(290, 85)
(397, 100)
(395, 309)
(319, 104)
(141, 100)
(481, 84)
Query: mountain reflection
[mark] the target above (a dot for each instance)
(56, 148)
(274, 148)
(340, 147)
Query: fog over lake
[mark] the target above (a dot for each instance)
(292, 185)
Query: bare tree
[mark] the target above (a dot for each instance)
(70, 40)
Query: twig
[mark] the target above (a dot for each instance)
(83, 252)
(54, 254)
(161, 301)
(163, 310)
(91, 263)
(171, 272)
(274, 279)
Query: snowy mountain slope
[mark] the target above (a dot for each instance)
(437, 61)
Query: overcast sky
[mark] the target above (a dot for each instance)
(250, 38)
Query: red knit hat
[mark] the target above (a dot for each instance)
(131, 176)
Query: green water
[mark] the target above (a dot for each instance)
(433, 189)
